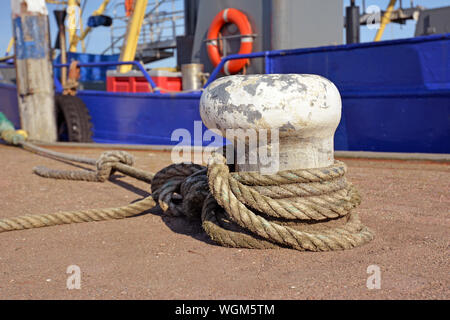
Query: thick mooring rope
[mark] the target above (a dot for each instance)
(308, 209)
(108, 162)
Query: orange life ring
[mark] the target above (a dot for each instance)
(238, 18)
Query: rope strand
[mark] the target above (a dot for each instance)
(305, 209)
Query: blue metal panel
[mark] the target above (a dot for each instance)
(406, 65)
(402, 123)
(143, 118)
(114, 64)
(9, 105)
(30, 33)
(395, 94)
(97, 73)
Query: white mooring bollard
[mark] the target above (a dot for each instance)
(299, 113)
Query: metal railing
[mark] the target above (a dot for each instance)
(111, 64)
(263, 54)
(160, 26)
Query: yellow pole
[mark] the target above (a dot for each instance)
(385, 20)
(129, 46)
(11, 43)
(72, 11)
(83, 46)
(99, 11)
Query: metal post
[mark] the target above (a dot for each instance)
(190, 16)
(192, 76)
(298, 136)
(352, 23)
(60, 16)
(34, 69)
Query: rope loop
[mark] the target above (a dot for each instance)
(108, 159)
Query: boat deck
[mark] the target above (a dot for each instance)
(152, 256)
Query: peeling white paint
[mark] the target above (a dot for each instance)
(306, 109)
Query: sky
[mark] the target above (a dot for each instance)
(100, 37)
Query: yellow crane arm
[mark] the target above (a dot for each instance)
(73, 38)
(385, 20)
(129, 46)
(10, 45)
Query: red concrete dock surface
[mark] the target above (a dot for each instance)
(406, 203)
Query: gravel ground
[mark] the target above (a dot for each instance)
(151, 256)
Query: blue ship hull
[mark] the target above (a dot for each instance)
(141, 118)
(395, 94)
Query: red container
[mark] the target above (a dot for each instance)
(134, 81)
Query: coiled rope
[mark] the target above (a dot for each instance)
(308, 209)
